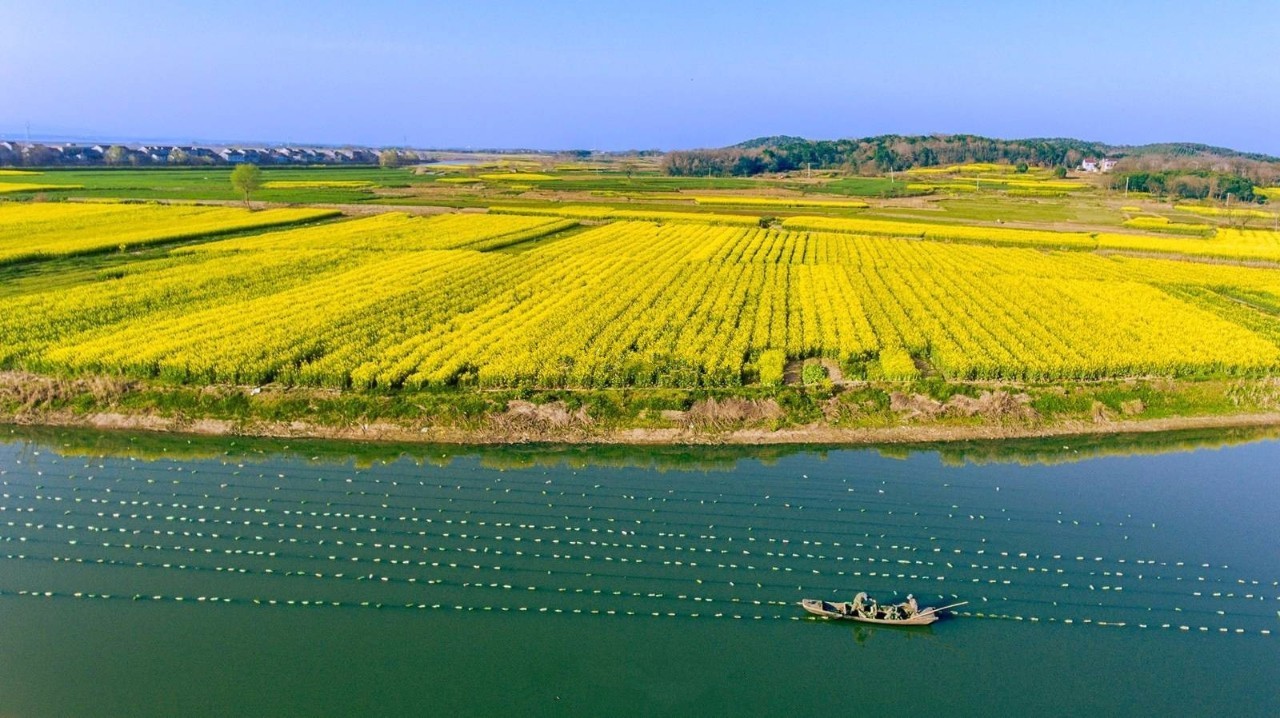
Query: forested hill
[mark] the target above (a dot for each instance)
(1191, 149)
(899, 152)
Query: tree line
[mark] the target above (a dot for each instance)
(1184, 170)
(1188, 184)
(875, 155)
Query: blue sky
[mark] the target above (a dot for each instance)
(650, 74)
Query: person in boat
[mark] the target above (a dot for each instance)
(857, 606)
(911, 608)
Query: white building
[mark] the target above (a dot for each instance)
(1102, 165)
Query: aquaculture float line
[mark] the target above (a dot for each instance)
(412, 606)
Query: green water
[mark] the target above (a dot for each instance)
(146, 576)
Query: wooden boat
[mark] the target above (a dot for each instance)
(845, 611)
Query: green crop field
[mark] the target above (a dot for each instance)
(212, 183)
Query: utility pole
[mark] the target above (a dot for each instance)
(1126, 187)
(808, 170)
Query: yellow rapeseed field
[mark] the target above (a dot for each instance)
(1236, 211)
(398, 301)
(1162, 224)
(60, 229)
(742, 200)
(647, 215)
(395, 231)
(1225, 243)
(971, 168)
(943, 232)
(15, 187)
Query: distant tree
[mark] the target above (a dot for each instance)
(245, 179)
(885, 158)
(115, 155)
(1021, 168)
(388, 159)
(178, 156)
(747, 165)
(1188, 184)
(1238, 187)
(1060, 172)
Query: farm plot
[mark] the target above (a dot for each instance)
(40, 230)
(395, 301)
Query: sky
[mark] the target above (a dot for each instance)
(651, 74)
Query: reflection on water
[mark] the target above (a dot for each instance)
(1119, 540)
(1032, 451)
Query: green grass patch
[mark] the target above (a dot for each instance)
(304, 185)
(865, 187)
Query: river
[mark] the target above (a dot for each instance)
(149, 575)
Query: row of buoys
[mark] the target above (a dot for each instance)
(1111, 624)
(328, 603)
(749, 539)
(793, 554)
(300, 572)
(870, 559)
(818, 556)
(319, 603)
(413, 580)
(1229, 594)
(459, 487)
(915, 513)
(869, 574)
(268, 524)
(740, 479)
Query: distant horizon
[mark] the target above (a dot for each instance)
(143, 140)
(615, 76)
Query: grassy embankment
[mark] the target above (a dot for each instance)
(872, 413)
